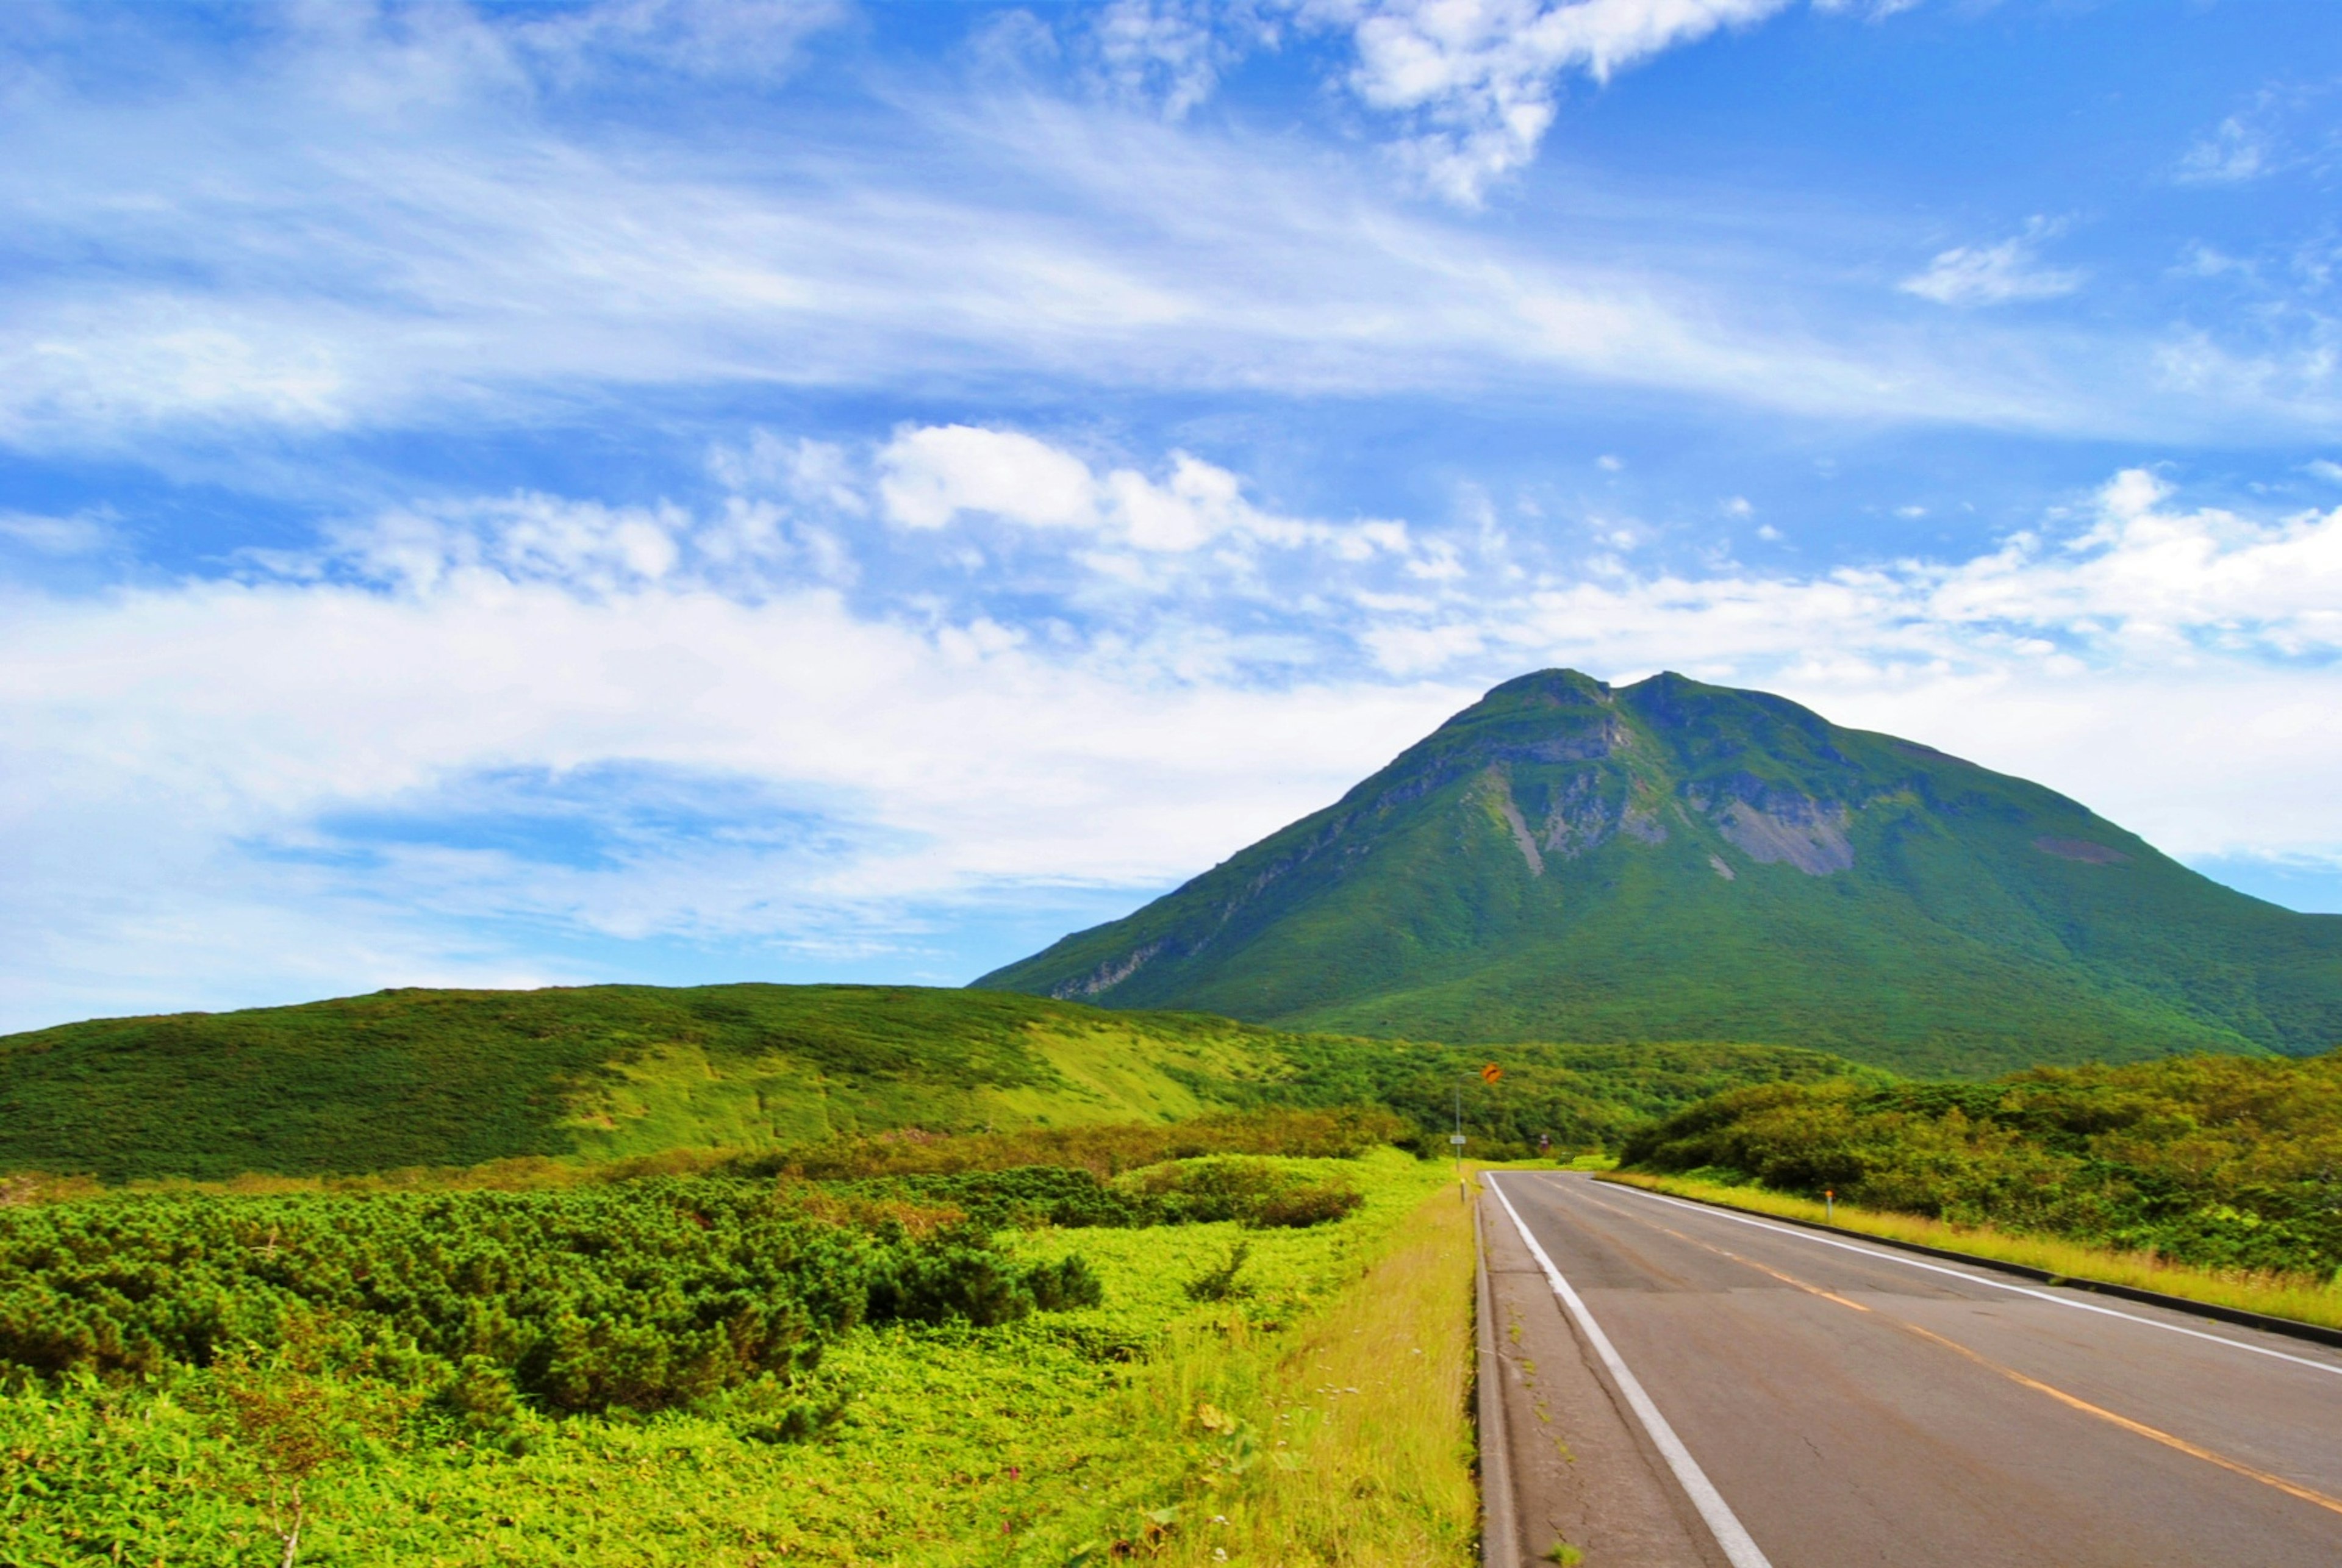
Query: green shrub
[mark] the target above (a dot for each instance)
(1219, 1283)
(643, 1294)
(1065, 1285)
(2222, 1162)
(1251, 1192)
(954, 1282)
(1023, 1197)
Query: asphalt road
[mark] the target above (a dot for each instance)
(1855, 1406)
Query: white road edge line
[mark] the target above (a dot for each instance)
(1721, 1522)
(1712, 1212)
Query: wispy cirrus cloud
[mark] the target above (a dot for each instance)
(78, 534)
(1987, 274)
(2278, 129)
(339, 237)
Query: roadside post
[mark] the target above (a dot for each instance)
(1829, 1205)
(1488, 1074)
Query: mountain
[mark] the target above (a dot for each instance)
(591, 1073)
(1671, 860)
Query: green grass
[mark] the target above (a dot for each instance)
(1045, 1440)
(2277, 1295)
(1953, 944)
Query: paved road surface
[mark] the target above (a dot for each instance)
(1855, 1409)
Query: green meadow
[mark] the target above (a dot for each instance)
(758, 1274)
(1124, 1421)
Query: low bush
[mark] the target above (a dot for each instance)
(1023, 1197)
(1220, 1283)
(1251, 1192)
(1065, 1285)
(1105, 1150)
(643, 1294)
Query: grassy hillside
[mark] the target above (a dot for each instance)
(460, 1077)
(1677, 861)
(457, 1078)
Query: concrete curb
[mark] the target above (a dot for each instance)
(2290, 1327)
(1500, 1535)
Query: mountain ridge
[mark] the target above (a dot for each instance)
(1670, 859)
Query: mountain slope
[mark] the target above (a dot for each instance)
(459, 1077)
(1672, 860)
(406, 1078)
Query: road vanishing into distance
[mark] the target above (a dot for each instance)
(1750, 1394)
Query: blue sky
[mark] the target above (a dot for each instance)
(527, 494)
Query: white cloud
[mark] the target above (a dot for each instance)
(930, 476)
(933, 475)
(1481, 77)
(2232, 152)
(1993, 274)
(77, 534)
(1169, 54)
(186, 740)
(181, 754)
(584, 545)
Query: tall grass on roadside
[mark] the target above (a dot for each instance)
(1350, 1440)
(2293, 1297)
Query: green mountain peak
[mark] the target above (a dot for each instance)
(1670, 860)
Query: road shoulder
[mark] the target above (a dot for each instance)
(1579, 1468)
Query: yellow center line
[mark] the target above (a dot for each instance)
(2158, 1434)
(2153, 1433)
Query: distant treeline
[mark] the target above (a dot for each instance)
(2225, 1162)
(1584, 1098)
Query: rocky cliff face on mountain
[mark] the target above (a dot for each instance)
(1670, 860)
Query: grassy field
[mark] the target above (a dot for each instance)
(1304, 1406)
(2278, 1296)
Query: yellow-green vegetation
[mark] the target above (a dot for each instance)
(429, 1082)
(2224, 1163)
(1344, 1439)
(457, 1078)
(1261, 1369)
(2278, 1296)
